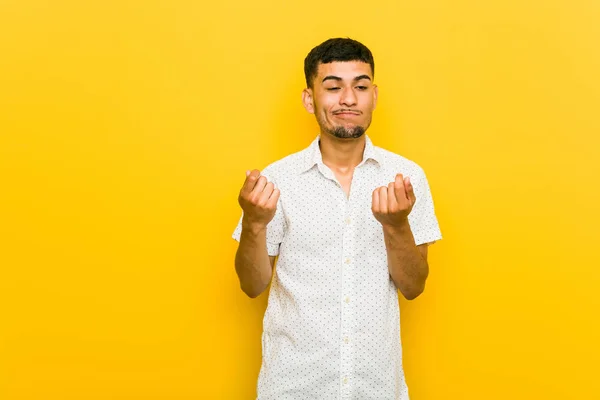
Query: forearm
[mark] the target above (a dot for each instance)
(407, 266)
(252, 262)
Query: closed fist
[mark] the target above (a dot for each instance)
(258, 198)
(392, 203)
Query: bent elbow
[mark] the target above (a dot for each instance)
(412, 294)
(252, 292)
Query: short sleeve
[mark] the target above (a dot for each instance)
(422, 219)
(275, 228)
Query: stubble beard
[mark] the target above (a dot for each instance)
(347, 133)
(342, 132)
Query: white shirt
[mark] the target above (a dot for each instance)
(331, 329)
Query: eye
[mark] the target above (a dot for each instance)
(361, 87)
(332, 89)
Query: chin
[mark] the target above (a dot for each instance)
(351, 132)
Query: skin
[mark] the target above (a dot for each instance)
(258, 199)
(342, 98)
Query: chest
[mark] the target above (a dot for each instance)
(345, 181)
(321, 212)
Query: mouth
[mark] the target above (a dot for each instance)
(346, 114)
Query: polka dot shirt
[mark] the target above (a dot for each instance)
(331, 329)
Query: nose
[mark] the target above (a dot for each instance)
(348, 97)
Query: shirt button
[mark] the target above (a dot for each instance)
(347, 299)
(347, 220)
(346, 340)
(345, 380)
(347, 261)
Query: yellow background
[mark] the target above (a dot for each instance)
(126, 128)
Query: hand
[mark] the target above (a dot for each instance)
(392, 203)
(258, 198)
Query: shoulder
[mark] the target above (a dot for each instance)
(397, 163)
(286, 166)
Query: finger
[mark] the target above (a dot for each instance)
(383, 200)
(266, 193)
(251, 179)
(259, 186)
(391, 194)
(272, 202)
(399, 189)
(375, 202)
(410, 191)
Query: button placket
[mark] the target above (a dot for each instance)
(348, 320)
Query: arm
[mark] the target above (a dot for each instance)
(253, 265)
(407, 262)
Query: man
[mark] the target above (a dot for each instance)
(350, 223)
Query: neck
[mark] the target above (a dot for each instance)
(341, 154)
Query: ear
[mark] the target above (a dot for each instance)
(307, 100)
(375, 95)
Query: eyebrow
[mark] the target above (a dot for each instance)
(337, 78)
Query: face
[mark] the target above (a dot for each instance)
(342, 98)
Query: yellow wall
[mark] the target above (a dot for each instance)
(126, 128)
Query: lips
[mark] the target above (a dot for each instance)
(345, 114)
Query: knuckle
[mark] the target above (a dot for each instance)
(254, 199)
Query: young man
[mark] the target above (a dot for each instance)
(350, 223)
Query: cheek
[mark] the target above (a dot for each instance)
(368, 108)
(326, 101)
(324, 115)
(368, 100)
(324, 108)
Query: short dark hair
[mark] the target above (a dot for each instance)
(336, 49)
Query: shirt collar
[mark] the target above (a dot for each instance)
(313, 155)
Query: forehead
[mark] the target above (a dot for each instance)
(347, 70)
